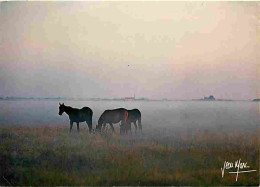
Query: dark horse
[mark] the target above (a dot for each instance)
(112, 116)
(77, 115)
(134, 116)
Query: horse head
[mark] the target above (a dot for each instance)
(99, 125)
(61, 108)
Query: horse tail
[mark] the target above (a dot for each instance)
(91, 113)
(125, 116)
(139, 121)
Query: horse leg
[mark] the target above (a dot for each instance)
(139, 124)
(71, 124)
(89, 125)
(112, 127)
(135, 127)
(104, 126)
(125, 127)
(121, 128)
(78, 126)
(129, 127)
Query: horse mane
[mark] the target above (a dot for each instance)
(69, 108)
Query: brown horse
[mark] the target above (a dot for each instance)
(113, 116)
(77, 115)
(134, 116)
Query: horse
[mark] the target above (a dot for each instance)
(113, 116)
(77, 115)
(134, 116)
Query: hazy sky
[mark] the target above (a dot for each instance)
(175, 50)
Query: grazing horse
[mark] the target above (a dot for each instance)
(134, 116)
(77, 115)
(112, 116)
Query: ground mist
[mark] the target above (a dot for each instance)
(52, 156)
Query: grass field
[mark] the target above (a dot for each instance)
(52, 156)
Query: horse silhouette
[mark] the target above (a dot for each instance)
(77, 115)
(113, 116)
(134, 116)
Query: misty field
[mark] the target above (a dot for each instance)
(53, 156)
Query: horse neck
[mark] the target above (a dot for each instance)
(67, 110)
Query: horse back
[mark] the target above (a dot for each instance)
(134, 114)
(86, 110)
(80, 115)
(115, 116)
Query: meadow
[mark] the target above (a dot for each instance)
(183, 143)
(53, 156)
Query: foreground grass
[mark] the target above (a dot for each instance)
(52, 156)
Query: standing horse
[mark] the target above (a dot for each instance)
(77, 115)
(134, 116)
(113, 116)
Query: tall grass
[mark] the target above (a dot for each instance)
(52, 156)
